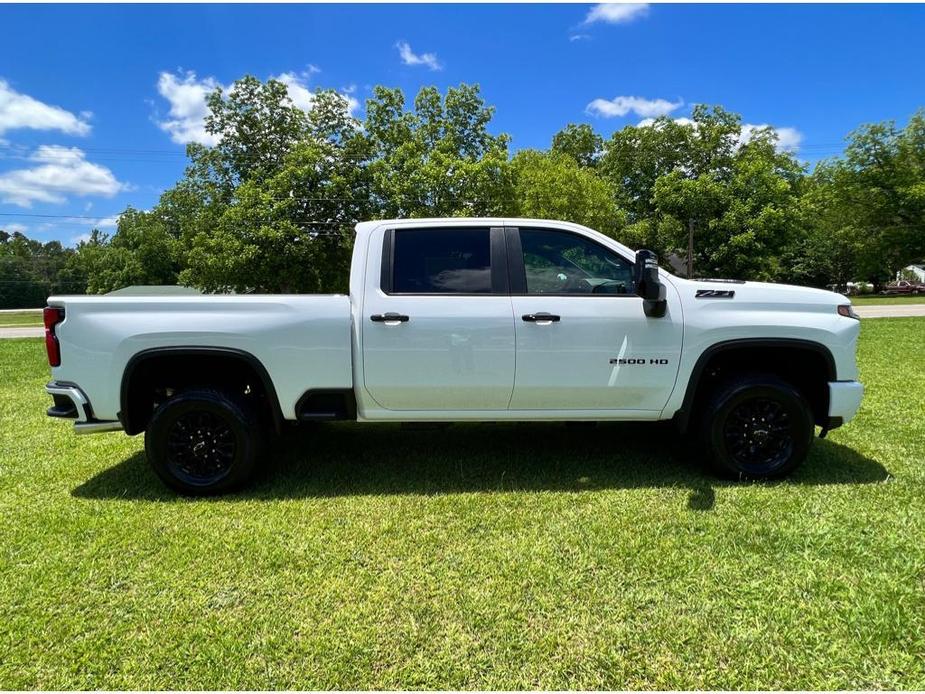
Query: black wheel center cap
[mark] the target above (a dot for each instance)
(758, 435)
(201, 446)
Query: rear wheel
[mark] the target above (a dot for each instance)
(757, 427)
(204, 442)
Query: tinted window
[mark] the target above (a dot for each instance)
(557, 262)
(442, 261)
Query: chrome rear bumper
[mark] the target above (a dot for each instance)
(72, 403)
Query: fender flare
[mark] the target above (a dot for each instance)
(683, 415)
(156, 352)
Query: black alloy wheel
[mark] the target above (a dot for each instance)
(204, 441)
(758, 435)
(200, 447)
(756, 426)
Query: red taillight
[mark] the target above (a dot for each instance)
(52, 316)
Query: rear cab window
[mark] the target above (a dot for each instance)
(441, 261)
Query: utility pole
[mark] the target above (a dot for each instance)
(690, 248)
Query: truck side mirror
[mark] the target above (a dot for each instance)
(648, 285)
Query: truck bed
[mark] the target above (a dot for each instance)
(300, 339)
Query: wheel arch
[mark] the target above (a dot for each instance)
(138, 372)
(733, 352)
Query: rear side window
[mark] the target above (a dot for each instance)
(441, 261)
(557, 262)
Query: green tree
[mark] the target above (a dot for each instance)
(289, 228)
(30, 271)
(256, 124)
(874, 196)
(580, 142)
(744, 217)
(741, 196)
(553, 185)
(141, 252)
(636, 156)
(437, 160)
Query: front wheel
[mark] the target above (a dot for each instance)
(204, 442)
(757, 427)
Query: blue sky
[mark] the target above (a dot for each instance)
(96, 101)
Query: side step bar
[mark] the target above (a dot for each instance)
(96, 427)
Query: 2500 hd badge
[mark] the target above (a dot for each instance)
(620, 361)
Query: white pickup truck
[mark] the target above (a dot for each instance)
(461, 320)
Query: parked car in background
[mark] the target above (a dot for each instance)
(904, 287)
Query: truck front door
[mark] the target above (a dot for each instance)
(583, 340)
(438, 329)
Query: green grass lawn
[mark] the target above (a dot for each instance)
(871, 300)
(20, 319)
(489, 556)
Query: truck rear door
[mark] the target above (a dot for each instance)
(438, 330)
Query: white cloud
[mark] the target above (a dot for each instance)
(646, 122)
(80, 238)
(107, 222)
(303, 97)
(621, 105)
(788, 139)
(59, 172)
(22, 111)
(187, 95)
(13, 227)
(409, 57)
(352, 102)
(617, 12)
(579, 37)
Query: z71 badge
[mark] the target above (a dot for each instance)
(714, 294)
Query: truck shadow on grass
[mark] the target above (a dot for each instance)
(374, 459)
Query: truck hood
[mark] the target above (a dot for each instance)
(763, 292)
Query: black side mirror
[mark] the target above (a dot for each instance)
(648, 285)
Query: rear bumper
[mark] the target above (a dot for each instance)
(844, 401)
(70, 402)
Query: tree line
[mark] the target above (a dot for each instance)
(272, 206)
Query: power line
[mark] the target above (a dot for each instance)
(119, 214)
(168, 155)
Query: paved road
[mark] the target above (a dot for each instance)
(891, 310)
(22, 332)
(886, 311)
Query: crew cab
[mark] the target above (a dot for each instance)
(451, 320)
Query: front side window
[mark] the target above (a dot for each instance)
(558, 262)
(441, 261)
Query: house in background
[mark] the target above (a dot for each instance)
(917, 269)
